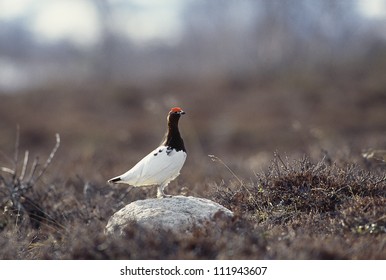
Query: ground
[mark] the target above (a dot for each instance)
(302, 167)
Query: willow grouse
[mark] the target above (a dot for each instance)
(163, 164)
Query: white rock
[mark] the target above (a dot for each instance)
(179, 214)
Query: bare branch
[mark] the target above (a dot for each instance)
(25, 163)
(383, 179)
(215, 158)
(49, 159)
(275, 155)
(282, 162)
(242, 185)
(7, 170)
(16, 155)
(16, 184)
(34, 166)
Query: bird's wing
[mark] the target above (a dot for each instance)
(159, 166)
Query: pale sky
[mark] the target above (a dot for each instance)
(77, 20)
(145, 20)
(373, 8)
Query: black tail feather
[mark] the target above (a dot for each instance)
(114, 180)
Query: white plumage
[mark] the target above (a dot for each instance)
(163, 164)
(159, 167)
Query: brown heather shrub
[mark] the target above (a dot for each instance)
(294, 210)
(301, 187)
(298, 209)
(313, 210)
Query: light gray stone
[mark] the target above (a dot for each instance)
(179, 214)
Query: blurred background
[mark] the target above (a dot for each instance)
(254, 76)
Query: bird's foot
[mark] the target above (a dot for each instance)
(160, 192)
(163, 195)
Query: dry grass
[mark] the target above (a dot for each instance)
(317, 210)
(294, 210)
(329, 204)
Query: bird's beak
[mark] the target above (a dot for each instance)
(182, 113)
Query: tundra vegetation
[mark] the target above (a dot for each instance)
(285, 125)
(296, 193)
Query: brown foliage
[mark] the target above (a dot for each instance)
(308, 208)
(317, 210)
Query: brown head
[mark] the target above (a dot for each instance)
(176, 111)
(173, 137)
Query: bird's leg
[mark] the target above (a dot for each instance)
(160, 191)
